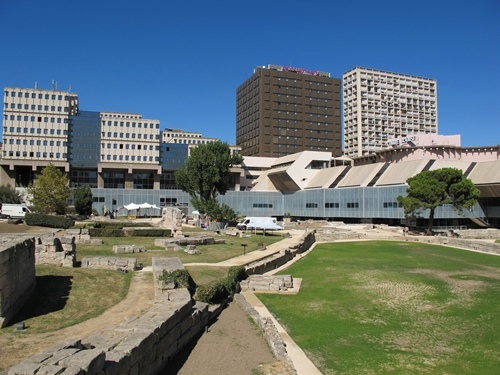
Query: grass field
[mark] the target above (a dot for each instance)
(67, 296)
(395, 308)
(209, 253)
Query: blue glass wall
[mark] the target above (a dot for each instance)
(173, 155)
(84, 139)
(354, 203)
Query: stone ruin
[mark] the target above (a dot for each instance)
(55, 250)
(128, 249)
(171, 218)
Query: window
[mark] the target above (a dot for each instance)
(392, 205)
(262, 205)
(331, 205)
(311, 205)
(353, 205)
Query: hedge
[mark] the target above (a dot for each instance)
(118, 224)
(51, 221)
(117, 232)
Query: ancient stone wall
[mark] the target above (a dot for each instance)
(262, 283)
(284, 256)
(110, 263)
(140, 345)
(55, 250)
(17, 274)
(489, 233)
(184, 241)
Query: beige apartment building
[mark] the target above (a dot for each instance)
(380, 105)
(35, 126)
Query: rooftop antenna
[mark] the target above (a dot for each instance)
(54, 85)
(36, 85)
(69, 87)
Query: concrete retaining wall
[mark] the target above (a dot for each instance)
(17, 274)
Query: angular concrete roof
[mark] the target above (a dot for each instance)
(398, 173)
(325, 177)
(360, 175)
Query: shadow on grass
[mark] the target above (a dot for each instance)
(50, 294)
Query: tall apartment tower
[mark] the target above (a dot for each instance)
(379, 106)
(282, 110)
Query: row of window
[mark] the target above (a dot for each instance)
(129, 135)
(37, 119)
(351, 205)
(129, 158)
(262, 205)
(34, 95)
(35, 131)
(34, 107)
(38, 154)
(127, 124)
(127, 146)
(33, 142)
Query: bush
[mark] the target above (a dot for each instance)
(51, 221)
(218, 290)
(212, 292)
(180, 278)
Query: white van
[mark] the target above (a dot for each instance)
(250, 222)
(13, 211)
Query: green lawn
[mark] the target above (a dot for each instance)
(395, 308)
(209, 253)
(67, 296)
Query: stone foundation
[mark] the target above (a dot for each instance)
(110, 263)
(184, 241)
(128, 249)
(262, 283)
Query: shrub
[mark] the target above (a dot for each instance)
(218, 290)
(51, 221)
(212, 292)
(180, 278)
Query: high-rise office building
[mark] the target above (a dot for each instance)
(283, 110)
(379, 106)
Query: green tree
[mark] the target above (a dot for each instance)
(83, 200)
(9, 195)
(433, 188)
(50, 191)
(207, 174)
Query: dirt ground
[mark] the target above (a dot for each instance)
(232, 345)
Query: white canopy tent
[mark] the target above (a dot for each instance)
(265, 225)
(137, 207)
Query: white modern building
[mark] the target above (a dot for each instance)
(35, 126)
(380, 105)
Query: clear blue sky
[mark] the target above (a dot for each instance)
(181, 62)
